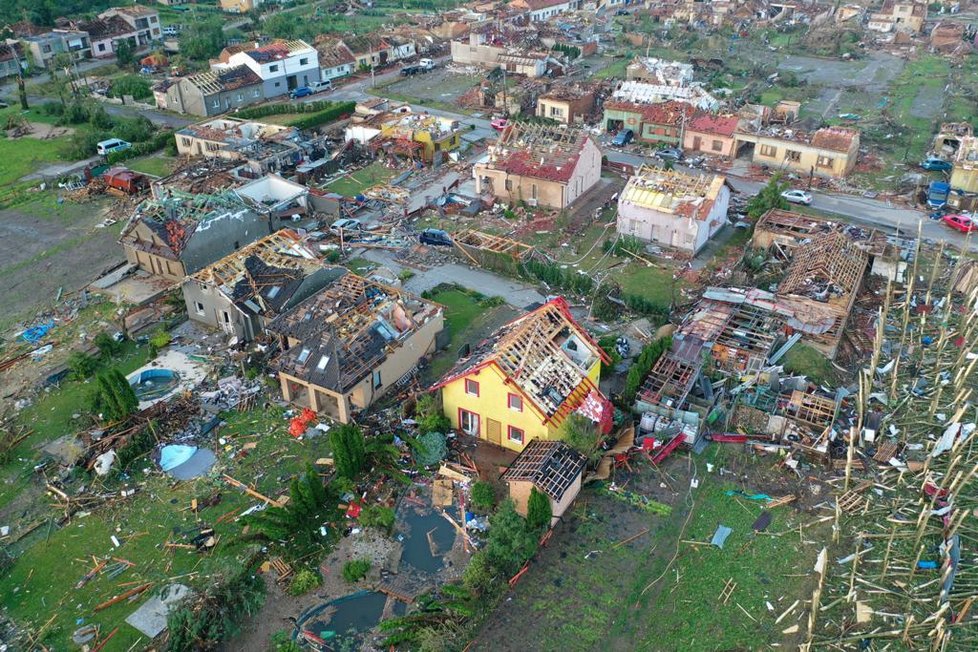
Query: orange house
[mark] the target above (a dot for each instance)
(523, 382)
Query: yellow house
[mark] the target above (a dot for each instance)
(523, 382)
(964, 176)
(426, 136)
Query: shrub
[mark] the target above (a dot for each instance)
(160, 338)
(217, 615)
(580, 433)
(511, 543)
(82, 365)
(154, 144)
(304, 581)
(107, 345)
(640, 369)
(355, 570)
(377, 516)
(282, 642)
(479, 576)
(538, 511)
(349, 452)
(483, 497)
(429, 449)
(429, 415)
(133, 85)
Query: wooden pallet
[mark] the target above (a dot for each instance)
(886, 452)
(850, 502)
(283, 570)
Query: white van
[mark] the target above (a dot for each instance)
(106, 147)
(320, 86)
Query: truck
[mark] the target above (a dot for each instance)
(125, 181)
(426, 64)
(937, 194)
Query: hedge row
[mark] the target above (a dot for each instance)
(325, 116)
(264, 110)
(154, 144)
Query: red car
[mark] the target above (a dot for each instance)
(499, 124)
(962, 223)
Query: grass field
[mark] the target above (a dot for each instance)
(156, 165)
(21, 156)
(462, 312)
(357, 182)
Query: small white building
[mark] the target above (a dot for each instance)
(672, 208)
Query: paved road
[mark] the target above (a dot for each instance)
(519, 295)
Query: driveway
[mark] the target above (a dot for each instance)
(518, 295)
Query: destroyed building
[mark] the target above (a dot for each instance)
(175, 233)
(639, 92)
(245, 290)
(541, 165)
(478, 50)
(673, 208)
(522, 382)
(351, 343)
(419, 136)
(230, 138)
(214, 91)
(660, 72)
(552, 468)
(896, 16)
(658, 124)
(566, 104)
(828, 152)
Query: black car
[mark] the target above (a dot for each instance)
(435, 237)
(407, 71)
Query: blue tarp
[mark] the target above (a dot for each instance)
(720, 536)
(174, 455)
(738, 492)
(35, 334)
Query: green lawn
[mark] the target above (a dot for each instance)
(21, 156)
(463, 316)
(616, 69)
(803, 359)
(156, 165)
(41, 583)
(356, 182)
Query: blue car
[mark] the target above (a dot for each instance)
(302, 91)
(935, 164)
(623, 137)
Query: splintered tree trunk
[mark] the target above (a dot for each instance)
(22, 92)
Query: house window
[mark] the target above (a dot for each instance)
(515, 434)
(468, 422)
(227, 316)
(101, 47)
(273, 68)
(304, 61)
(256, 93)
(717, 146)
(184, 141)
(199, 307)
(792, 155)
(471, 387)
(277, 84)
(825, 162)
(515, 402)
(378, 382)
(769, 151)
(47, 48)
(215, 103)
(239, 97)
(509, 184)
(556, 112)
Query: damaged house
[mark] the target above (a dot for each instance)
(673, 208)
(229, 138)
(214, 91)
(742, 327)
(245, 290)
(829, 152)
(521, 383)
(551, 467)
(350, 343)
(541, 165)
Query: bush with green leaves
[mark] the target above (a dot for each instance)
(202, 623)
(82, 365)
(296, 526)
(114, 398)
(538, 511)
(429, 449)
(479, 576)
(768, 197)
(430, 416)
(160, 338)
(511, 542)
(282, 641)
(355, 570)
(483, 497)
(305, 580)
(107, 345)
(581, 434)
(134, 85)
(642, 366)
(378, 516)
(349, 450)
(139, 444)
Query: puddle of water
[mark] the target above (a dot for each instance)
(198, 464)
(354, 614)
(416, 550)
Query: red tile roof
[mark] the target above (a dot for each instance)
(538, 159)
(663, 113)
(834, 138)
(719, 125)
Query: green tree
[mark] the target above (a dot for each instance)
(483, 497)
(582, 435)
(299, 521)
(355, 570)
(641, 367)
(201, 624)
(538, 511)
(349, 454)
(125, 56)
(131, 85)
(82, 365)
(203, 39)
(430, 416)
(768, 197)
(511, 543)
(107, 345)
(114, 397)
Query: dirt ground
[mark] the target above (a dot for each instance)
(440, 86)
(44, 247)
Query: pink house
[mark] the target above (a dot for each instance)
(711, 134)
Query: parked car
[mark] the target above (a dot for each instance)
(499, 123)
(106, 147)
(426, 64)
(797, 197)
(171, 31)
(320, 86)
(962, 223)
(669, 154)
(408, 71)
(623, 137)
(302, 91)
(936, 164)
(346, 225)
(315, 236)
(435, 237)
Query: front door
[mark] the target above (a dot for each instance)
(494, 431)
(468, 422)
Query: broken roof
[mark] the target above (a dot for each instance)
(346, 330)
(641, 92)
(720, 125)
(672, 73)
(545, 353)
(830, 265)
(212, 82)
(277, 50)
(671, 113)
(538, 151)
(103, 28)
(552, 466)
(835, 138)
(673, 192)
